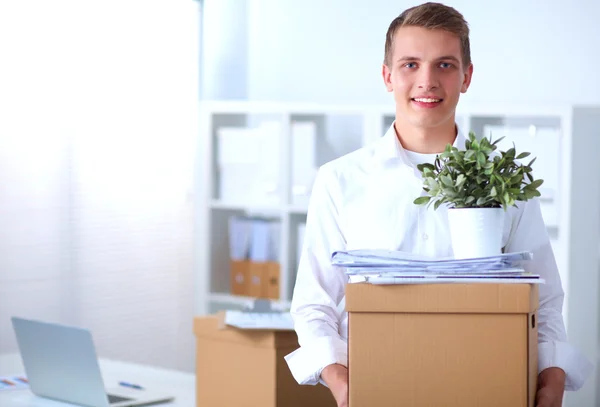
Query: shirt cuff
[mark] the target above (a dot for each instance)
(307, 362)
(565, 356)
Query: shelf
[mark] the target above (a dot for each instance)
(245, 301)
(256, 107)
(297, 209)
(231, 206)
(292, 209)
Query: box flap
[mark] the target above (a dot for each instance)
(212, 327)
(442, 298)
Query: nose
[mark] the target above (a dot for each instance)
(428, 79)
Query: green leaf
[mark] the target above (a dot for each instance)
(460, 179)
(493, 192)
(523, 155)
(498, 140)
(536, 183)
(450, 192)
(437, 205)
(480, 158)
(422, 200)
(516, 180)
(446, 180)
(424, 166)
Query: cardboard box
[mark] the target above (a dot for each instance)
(262, 280)
(272, 280)
(236, 367)
(442, 345)
(239, 276)
(255, 279)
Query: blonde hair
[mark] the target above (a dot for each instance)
(433, 16)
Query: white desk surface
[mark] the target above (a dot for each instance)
(182, 385)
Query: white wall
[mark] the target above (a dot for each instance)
(224, 45)
(331, 51)
(98, 128)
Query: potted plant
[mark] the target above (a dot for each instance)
(477, 184)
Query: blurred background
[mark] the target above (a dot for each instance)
(126, 127)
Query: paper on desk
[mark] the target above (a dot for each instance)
(13, 382)
(259, 320)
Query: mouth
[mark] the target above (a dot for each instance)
(426, 102)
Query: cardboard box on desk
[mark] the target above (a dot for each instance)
(245, 367)
(451, 345)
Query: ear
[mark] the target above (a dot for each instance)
(467, 79)
(386, 73)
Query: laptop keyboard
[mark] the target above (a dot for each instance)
(112, 399)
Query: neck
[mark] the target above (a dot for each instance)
(430, 140)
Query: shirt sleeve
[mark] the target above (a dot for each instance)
(319, 286)
(529, 233)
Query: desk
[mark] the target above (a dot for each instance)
(180, 384)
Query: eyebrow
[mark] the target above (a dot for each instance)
(445, 57)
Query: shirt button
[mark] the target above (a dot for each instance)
(424, 236)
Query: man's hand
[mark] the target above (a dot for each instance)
(336, 377)
(551, 387)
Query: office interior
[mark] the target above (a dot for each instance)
(126, 127)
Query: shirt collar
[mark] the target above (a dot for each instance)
(389, 149)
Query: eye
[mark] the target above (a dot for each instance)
(410, 65)
(445, 65)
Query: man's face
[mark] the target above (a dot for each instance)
(426, 75)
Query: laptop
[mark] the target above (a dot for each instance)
(61, 364)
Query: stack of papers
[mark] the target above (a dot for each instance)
(394, 267)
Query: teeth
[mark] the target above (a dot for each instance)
(427, 100)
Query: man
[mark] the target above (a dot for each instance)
(364, 200)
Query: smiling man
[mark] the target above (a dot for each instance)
(364, 200)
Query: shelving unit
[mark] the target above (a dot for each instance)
(567, 134)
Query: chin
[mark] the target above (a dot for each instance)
(428, 122)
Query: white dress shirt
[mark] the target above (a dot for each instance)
(364, 200)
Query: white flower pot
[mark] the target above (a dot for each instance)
(476, 232)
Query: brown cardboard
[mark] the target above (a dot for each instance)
(262, 280)
(239, 277)
(246, 368)
(257, 277)
(272, 280)
(442, 345)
